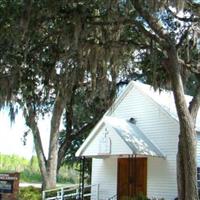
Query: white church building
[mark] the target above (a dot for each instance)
(134, 146)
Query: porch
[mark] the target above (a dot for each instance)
(120, 152)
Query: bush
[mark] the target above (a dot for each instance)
(29, 193)
(30, 176)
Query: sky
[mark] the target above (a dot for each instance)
(11, 135)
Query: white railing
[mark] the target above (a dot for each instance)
(71, 193)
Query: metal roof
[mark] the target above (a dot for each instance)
(133, 137)
(165, 99)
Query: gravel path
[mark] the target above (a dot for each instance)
(37, 185)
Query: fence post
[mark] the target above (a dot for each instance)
(83, 176)
(43, 195)
(62, 193)
(78, 193)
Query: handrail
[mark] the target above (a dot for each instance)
(65, 192)
(57, 190)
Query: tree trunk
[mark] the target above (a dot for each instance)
(180, 169)
(48, 180)
(52, 162)
(48, 167)
(186, 156)
(186, 165)
(30, 117)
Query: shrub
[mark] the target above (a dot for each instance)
(30, 193)
(30, 176)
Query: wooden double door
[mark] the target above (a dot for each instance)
(132, 177)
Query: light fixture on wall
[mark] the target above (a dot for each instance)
(132, 120)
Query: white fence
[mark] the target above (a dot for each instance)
(72, 193)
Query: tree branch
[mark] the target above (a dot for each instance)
(117, 44)
(84, 129)
(147, 33)
(193, 68)
(183, 19)
(193, 4)
(195, 104)
(152, 22)
(31, 122)
(25, 19)
(69, 124)
(182, 39)
(54, 132)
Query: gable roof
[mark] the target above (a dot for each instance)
(164, 100)
(100, 123)
(133, 137)
(135, 140)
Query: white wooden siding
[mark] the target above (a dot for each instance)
(118, 146)
(161, 179)
(163, 131)
(104, 172)
(159, 127)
